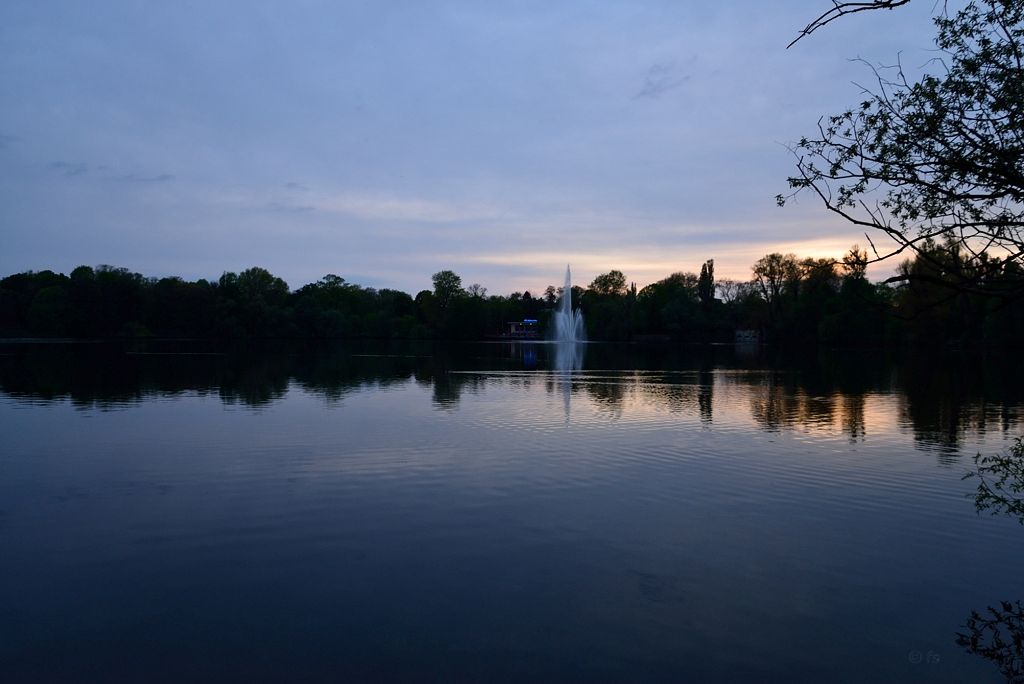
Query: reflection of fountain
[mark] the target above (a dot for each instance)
(569, 336)
(568, 356)
(568, 323)
(567, 359)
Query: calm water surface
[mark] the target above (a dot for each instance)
(497, 512)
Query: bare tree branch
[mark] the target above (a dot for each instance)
(841, 9)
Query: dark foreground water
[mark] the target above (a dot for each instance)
(497, 512)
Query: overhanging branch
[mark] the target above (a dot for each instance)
(841, 9)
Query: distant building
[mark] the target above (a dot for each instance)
(526, 329)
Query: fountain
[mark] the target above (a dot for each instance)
(568, 323)
(569, 334)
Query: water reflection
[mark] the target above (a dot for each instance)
(945, 398)
(449, 388)
(697, 492)
(778, 403)
(706, 396)
(608, 395)
(941, 401)
(1000, 479)
(568, 356)
(853, 409)
(997, 633)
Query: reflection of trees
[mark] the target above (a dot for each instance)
(773, 405)
(778, 403)
(608, 394)
(613, 392)
(853, 416)
(105, 377)
(705, 395)
(831, 388)
(1001, 482)
(447, 391)
(934, 405)
(943, 397)
(997, 633)
(251, 382)
(334, 373)
(946, 397)
(676, 397)
(448, 387)
(941, 400)
(108, 376)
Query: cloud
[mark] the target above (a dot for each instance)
(660, 79)
(547, 129)
(70, 168)
(286, 208)
(386, 207)
(137, 178)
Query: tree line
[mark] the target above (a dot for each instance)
(787, 299)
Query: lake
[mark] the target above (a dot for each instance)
(509, 512)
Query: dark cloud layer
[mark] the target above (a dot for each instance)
(660, 79)
(70, 168)
(140, 178)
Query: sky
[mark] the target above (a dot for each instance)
(383, 141)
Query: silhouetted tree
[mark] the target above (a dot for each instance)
(855, 262)
(706, 282)
(792, 299)
(670, 305)
(727, 289)
(773, 273)
(611, 283)
(447, 286)
(258, 284)
(937, 164)
(551, 295)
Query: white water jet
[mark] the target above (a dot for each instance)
(568, 323)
